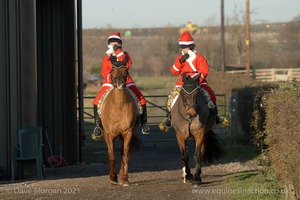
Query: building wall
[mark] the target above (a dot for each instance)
(3, 88)
(10, 68)
(37, 74)
(57, 75)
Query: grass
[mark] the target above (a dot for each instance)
(254, 185)
(251, 184)
(240, 153)
(165, 83)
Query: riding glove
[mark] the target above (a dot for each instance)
(183, 58)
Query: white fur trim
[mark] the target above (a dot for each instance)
(194, 75)
(107, 84)
(120, 54)
(191, 54)
(175, 68)
(130, 84)
(108, 77)
(190, 60)
(192, 65)
(186, 43)
(114, 36)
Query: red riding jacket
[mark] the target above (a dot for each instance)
(192, 64)
(107, 66)
(195, 63)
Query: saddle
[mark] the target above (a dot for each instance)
(103, 97)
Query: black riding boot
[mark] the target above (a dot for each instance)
(219, 119)
(144, 125)
(97, 134)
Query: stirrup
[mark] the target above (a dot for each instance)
(97, 133)
(167, 123)
(145, 129)
(163, 126)
(222, 120)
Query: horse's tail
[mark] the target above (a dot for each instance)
(135, 143)
(213, 149)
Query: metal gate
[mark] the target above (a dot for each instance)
(96, 152)
(156, 107)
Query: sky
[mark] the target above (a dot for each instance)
(161, 13)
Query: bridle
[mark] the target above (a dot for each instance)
(189, 95)
(189, 100)
(119, 76)
(191, 92)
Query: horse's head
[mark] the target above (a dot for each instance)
(119, 76)
(189, 93)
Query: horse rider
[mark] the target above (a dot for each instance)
(190, 61)
(117, 57)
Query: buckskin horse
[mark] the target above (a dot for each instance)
(119, 116)
(191, 118)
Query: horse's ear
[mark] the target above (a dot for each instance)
(197, 77)
(184, 77)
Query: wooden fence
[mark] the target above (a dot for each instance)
(273, 74)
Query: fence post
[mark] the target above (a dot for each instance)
(273, 74)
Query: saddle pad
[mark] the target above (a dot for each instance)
(103, 97)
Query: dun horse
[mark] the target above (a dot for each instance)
(119, 116)
(192, 118)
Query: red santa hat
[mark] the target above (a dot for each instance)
(186, 40)
(114, 37)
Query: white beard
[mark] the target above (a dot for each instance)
(192, 56)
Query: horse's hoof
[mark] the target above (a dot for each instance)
(189, 178)
(196, 183)
(126, 184)
(114, 182)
